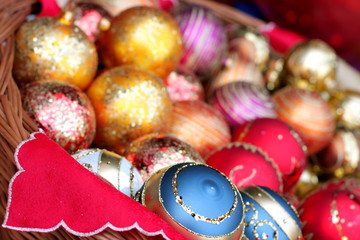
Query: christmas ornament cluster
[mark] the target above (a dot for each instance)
(199, 120)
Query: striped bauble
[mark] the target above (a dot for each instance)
(241, 102)
(200, 125)
(204, 38)
(308, 113)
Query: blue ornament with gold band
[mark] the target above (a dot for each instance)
(197, 200)
(269, 216)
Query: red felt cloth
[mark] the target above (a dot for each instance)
(49, 8)
(51, 189)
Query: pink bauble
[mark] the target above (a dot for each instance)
(332, 212)
(280, 142)
(246, 165)
(241, 102)
(308, 114)
(236, 69)
(153, 152)
(204, 38)
(183, 85)
(200, 125)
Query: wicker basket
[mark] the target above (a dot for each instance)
(15, 125)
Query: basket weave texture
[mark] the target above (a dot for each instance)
(16, 126)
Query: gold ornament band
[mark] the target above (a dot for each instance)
(273, 208)
(109, 166)
(187, 209)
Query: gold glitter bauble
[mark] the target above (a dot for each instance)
(142, 36)
(53, 48)
(312, 65)
(347, 109)
(129, 102)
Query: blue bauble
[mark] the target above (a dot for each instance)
(269, 216)
(197, 200)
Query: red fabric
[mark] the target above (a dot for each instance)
(49, 8)
(51, 189)
(335, 22)
(281, 40)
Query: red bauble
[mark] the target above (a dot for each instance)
(200, 125)
(280, 142)
(246, 165)
(332, 212)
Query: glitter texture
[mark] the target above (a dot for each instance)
(62, 111)
(184, 85)
(152, 152)
(48, 49)
(142, 36)
(129, 102)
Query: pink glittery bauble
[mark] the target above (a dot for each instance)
(332, 212)
(87, 17)
(200, 125)
(63, 111)
(280, 142)
(309, 114)
(246, 165)
(184, 85)
(204, 37)
(153, 152)
(241, 102)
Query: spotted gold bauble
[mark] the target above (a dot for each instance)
(53, 48)
(142, 36)
(347, 109)
(129, 102)
(312, 65)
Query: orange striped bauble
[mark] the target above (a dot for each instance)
(200, 125)
(308, 113)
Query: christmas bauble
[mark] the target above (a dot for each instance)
(183, 85)
(53, 48)
(341, 156)
(312, 65)
(199, 125)
(197, 200)
(144, 36)
(115, 7)
(129, 102)
(63, 111)
(269, 215)
(274, 72)
(347, 109)
(153, 152)
(246, 165)
(242, 101)
(332, 212)
(280, 142)
(115, 169)
(236, 69)
(205, 42)
(90, 17)
(250, 44)
(307, 183)
(308, 114)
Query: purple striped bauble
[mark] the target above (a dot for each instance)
(241, 102)
(204, 38)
